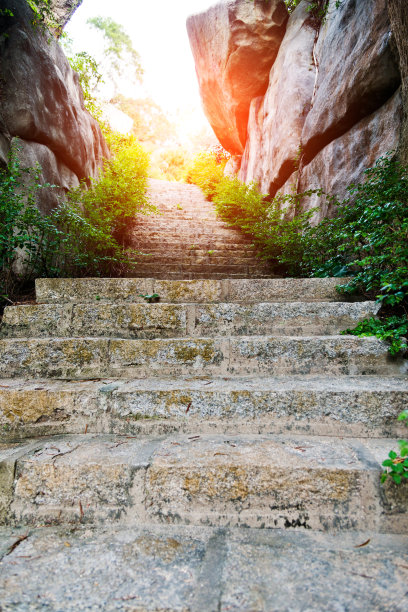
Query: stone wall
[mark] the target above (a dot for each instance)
(332, 104)
(42, 104)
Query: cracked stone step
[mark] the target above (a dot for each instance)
(80, 290)
(358, 407)
(177, 320)
(177, 568)
(79, 358)
(259, 481)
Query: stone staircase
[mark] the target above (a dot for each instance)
(187, 241)
(217, 450)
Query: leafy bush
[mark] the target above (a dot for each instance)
(85, 235)
(119, 194)
(207, 170)
(276, 231)
(397, 465)
(393, 329)
(168, 164)
(368, 238)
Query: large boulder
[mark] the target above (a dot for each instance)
(275, 126)
(357, 71)
(234, 45)
(345, 159)
(42, 100)
(53, 172)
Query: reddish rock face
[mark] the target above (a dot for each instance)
(276, 121)
(42, 104)
(329, 109)
(234, 45)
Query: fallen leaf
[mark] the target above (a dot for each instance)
(16, 543)
(363, 544)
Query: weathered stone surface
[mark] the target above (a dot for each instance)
(357, 71)
(345, 159)
(264, 482)
(339, 355)
(234, 45)
(53, 171)
(252, 481)
(285, 290)
(9, 454)
(77, 478)
(181, 568)
(85, 290)
(251, 159)
(232, 166)
(175, 320)
(79, 358)
(49, 108)
(363, 407)
(275, 126)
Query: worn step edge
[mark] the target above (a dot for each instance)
(245, 355)
(356, 407)
(249, 481)
(226, 290)
(127, 320)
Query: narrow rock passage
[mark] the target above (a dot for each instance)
(219, 450)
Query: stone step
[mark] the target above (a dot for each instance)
(206, 270)
(171, 245)
(124, 320)
(195, 252)
(80, 290)
(79, 358)
(192, 237)
(190, 260)
(362, 406)
(179, 568)
(181, 276)
(259, 481)
(175, 222)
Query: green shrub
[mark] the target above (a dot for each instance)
(393, 329)
(169, 164)
(114, 199)
(272, 224)
(207, 170)
(368, 238)
(396, 466)
(85, 235)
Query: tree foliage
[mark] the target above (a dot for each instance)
(150, 124)
(118, 50)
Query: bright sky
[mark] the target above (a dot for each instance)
(158, 32)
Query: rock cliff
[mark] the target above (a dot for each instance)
(234, 45)
(332, 104)
(42, 103)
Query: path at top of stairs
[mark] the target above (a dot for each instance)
(187, 241)
(218, 450)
